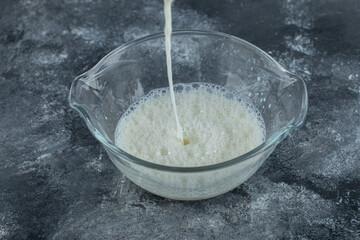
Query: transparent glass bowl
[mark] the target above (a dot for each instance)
(103, 94)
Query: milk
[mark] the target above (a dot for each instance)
(167, 31)
(218, 125)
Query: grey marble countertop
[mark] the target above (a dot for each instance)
(56, 181)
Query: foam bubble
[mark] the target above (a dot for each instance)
(218, 124)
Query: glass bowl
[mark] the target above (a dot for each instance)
(104, 93)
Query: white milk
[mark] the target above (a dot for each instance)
(217, 125)
(168, 30)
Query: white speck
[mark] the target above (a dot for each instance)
(355, 89)
(132, 33)
(336, 136)
(90, 35)
(307, 72)
(47, 57)
(298, 13)
(32, 165)
(353, 76)
(300, 43)
(138, 92)
(96, 163)
(8, 224)
(3, 232)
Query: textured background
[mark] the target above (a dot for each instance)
(56, 182)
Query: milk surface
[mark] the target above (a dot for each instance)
(217, 124)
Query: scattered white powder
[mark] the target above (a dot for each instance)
(298, 13)
(300, 43)
(47, 57)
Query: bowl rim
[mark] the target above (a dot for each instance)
(271, 142)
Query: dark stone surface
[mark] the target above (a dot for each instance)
(56, 182)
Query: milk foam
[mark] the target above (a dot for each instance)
(217, 123)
